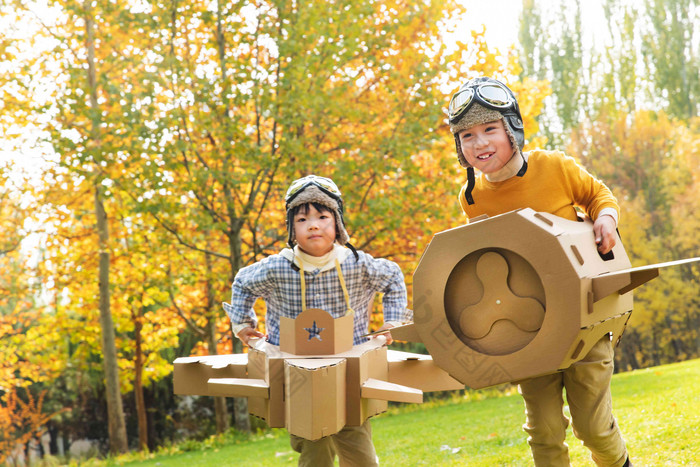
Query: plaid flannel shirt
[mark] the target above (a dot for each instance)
(278, 283)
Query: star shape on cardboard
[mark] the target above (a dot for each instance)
(314, 331)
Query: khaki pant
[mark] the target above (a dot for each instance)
(352, 444)
(587, 384)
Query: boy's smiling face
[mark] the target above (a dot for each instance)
(486, 147)
(314, 230)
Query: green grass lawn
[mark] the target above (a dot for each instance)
(658, 410)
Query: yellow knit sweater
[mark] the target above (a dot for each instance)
(553, 183)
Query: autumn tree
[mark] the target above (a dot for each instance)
(551, 48)
(198, 121)
(16, 297)
(620, 88)
(650, 162)
(670, 49)
(644, 155)
(255, 95)
(30, 353)
(20, 421)
(176, 128)
(78, 200)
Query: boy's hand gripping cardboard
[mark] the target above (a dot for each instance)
(519, 295)
(315, 382)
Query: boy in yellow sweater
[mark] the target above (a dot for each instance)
(485, 120)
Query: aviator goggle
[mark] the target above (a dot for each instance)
(324, 184)
(491, 95)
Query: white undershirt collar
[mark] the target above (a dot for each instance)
(312, 263)
(509, 170)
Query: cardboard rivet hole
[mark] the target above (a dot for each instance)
(477, 320)
(544, 219)
(577, 254)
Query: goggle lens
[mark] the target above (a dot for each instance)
(494, 95)
(460, 101)
(325, 184)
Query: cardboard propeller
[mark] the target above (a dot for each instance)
(316, 382)
(519, 295)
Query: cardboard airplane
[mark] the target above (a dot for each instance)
(316, 382)
(501, 299)
(519, 295)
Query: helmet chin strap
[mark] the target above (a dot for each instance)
(471, 181)
(523, 169)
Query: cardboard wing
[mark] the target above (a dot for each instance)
(238, 387)
(519, 295)
(384, 390)
(420, 372)
(191, 374)
(629, 279)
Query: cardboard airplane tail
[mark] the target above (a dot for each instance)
(629, 279)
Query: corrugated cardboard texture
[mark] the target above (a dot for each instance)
(589, 336)
(376, 389)
(238, 387)
(420, 372)
(315, 392)
(371, 363)
(406, 333)
(191, 373)
(489, 312)
(271, 370)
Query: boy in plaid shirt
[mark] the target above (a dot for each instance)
(319, 249)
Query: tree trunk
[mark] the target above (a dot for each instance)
(138, 386)
(626, 351)
(240, 404)
(52, 430)
(117, 427)
(220, 410)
